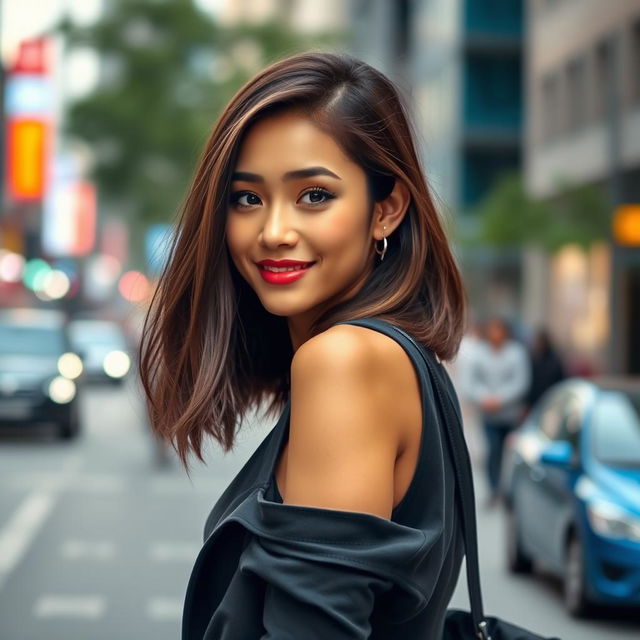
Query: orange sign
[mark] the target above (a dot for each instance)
(27, 140)
(626, 225)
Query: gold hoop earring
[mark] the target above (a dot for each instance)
(384, 245)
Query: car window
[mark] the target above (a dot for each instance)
(16, 340)
(571, 418)
(550, 416)
(616, 429)
(86, 335)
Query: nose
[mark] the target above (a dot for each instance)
(278, 229)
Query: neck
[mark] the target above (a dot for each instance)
(298, 330)
(300, 324)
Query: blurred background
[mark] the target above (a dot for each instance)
(528, 119)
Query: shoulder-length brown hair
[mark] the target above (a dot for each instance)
(210, 351)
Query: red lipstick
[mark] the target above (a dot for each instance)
(295, 269)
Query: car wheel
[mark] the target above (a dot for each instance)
(517, 560)
(575, 598)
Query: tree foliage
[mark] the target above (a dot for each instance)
(167, 71)
(508, 216)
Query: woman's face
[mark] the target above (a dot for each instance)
(295, 196)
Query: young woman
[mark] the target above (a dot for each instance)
(308, 214)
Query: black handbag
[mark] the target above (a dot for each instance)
(459, 624)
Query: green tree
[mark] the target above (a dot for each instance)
(509, 216)
(168, 70)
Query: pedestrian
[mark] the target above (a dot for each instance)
(546, 366)
(460, 370)
(308, 214)
(499, 378)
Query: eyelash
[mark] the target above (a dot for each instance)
(327, 194)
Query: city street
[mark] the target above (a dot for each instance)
(97, 540)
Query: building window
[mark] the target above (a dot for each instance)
(482, 168)
(493, 17)
(635, 62)
(576, 103)
(602, 81)
(492, 92)
(402, 30)
(550, 113)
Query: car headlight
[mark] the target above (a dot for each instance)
(612, 521)
(69, 365)
(61, 390)
(116, 364)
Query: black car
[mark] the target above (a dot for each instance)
(38, 370)
(103, 348)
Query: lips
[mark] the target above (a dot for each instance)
(282, 271)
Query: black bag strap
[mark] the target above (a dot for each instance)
(452, 419)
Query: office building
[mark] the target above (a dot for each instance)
(583, 105)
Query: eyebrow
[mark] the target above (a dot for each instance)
(245, 176)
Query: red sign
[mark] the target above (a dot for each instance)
(114, 239)
(33, 57)
(85, 214)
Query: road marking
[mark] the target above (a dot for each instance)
(29, 517)
(88, 550)
(22, 527)
(70, 607)
(173, 551)
(161, 609)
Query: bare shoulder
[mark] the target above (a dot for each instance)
(358, 353)
(346, 428)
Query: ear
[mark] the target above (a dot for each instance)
(388, 213)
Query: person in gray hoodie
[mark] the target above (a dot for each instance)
(497, 382)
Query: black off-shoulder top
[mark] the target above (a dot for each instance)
(274, 571)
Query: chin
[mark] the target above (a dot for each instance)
(282, 308)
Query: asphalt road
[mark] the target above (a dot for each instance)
(97, 540)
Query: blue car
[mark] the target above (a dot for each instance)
(571, 481)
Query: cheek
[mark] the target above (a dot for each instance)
(237, 236)
(344, 233)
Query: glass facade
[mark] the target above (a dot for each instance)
(492, 91)
(494, 17)
(491, 102)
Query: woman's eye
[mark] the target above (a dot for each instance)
(318, 195)
(244, 199)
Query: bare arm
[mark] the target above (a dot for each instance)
(342, 440)
(342, 449)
